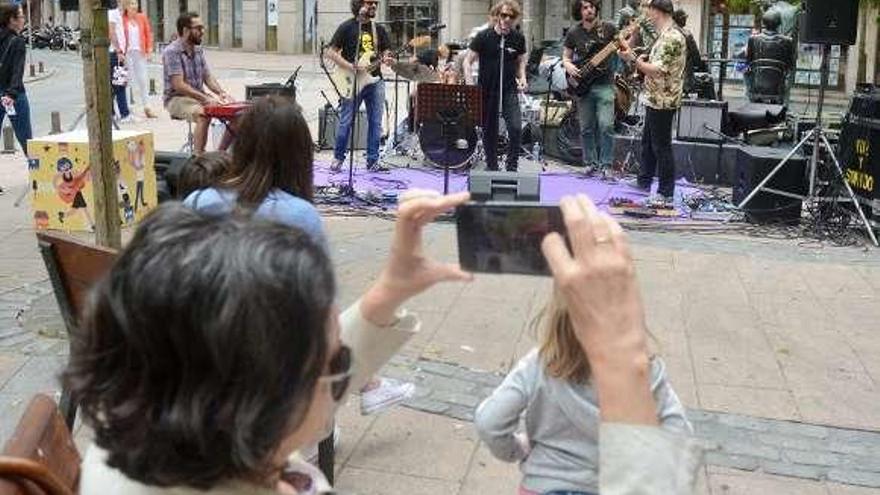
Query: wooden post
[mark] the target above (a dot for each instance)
(95, 45)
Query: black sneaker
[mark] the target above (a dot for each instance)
(376, 167)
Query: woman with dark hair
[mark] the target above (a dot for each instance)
(271, 175)
(271, 171)
(13, 98)
(212, 351)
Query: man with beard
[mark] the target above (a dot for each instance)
(595, 106)
(186, 74)
(500, 44)
(353, 39)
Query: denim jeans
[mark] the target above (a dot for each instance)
(21, 121)
(513, 121)
(119, 92)
(373, 97)
(596, 117)
(657, 151)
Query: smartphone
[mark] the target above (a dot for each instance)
(501, 237)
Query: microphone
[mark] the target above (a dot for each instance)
(433, 28)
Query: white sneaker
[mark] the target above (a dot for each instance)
(130, 119)
(310, 453)
(388, 393)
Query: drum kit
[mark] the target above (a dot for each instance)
(425, 137)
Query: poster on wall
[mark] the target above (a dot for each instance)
(272, 12)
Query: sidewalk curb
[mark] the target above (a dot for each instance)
(46, 75)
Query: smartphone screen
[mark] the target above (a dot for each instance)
(505, 237)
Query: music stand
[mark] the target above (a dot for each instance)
(455, 107)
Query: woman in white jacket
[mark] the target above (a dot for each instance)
(212, 351)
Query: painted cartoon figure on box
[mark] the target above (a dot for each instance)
(123, 196)
(136, 151)
(69, 188)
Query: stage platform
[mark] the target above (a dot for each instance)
(385, 186)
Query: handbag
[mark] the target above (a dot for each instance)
(120, 75)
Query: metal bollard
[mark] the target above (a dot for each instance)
(152, 86)
(40, 68)
(56, 123)
(33, 71)
(8, 140)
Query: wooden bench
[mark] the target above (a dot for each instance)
(40, 457)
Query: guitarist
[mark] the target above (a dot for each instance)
(595, 102)
(664, 78)
(354, 38)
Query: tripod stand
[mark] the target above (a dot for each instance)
(817, 134)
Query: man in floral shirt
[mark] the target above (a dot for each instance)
(664, 77)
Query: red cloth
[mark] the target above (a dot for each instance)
(143, 28)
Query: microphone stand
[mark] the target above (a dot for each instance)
(501, 99)
(355, 110)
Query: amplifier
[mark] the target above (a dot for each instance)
(486, 185)
(696, 117)
(858, 150)
(753, 163)
(252, 91)
(328, 120)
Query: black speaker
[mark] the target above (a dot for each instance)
(504, 186)
(168, 165)
(253, 91)
(829, 21)
(753, 163)
(69, 5)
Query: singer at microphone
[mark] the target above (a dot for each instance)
(501, 52)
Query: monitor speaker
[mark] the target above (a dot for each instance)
(826, 21)
(504, 186)
(753, 163)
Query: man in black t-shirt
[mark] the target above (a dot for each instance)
(500, 89)
(354, 38)
(595, 107)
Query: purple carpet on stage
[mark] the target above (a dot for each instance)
(554, 185)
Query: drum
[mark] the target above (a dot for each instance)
(446, 145)
(623, 97)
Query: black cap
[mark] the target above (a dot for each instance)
(662, 5)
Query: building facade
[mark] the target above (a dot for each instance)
(300, 26)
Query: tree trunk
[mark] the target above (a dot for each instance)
(95, 42)
(861, 74)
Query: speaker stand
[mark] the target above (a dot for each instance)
(819, 139)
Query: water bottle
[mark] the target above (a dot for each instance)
(536, 151)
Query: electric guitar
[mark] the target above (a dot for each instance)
(344, 79)
(590, 68)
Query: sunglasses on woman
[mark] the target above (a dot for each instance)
(338, 373)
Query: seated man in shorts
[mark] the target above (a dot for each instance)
(186, 74)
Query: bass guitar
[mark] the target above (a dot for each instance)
(591, 68)
(344, 79)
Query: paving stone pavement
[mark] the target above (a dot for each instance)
(747, 443)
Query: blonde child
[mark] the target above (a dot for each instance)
(550, 390)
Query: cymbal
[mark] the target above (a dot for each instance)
(415, 71)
